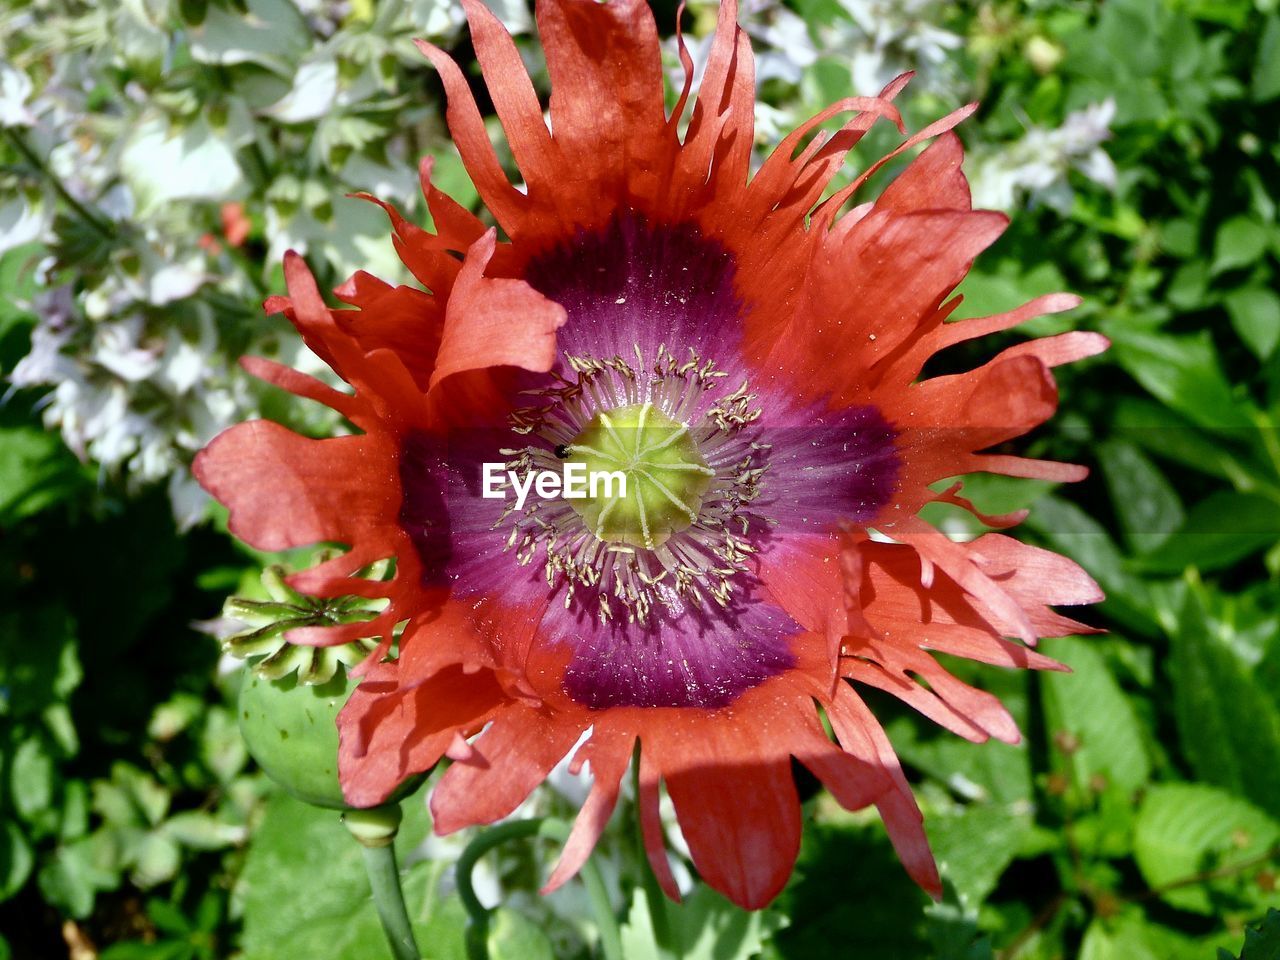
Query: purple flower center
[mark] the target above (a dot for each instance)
(656, 592)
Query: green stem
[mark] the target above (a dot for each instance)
(103, 226)
(478, 929)
(375, 829)
(384, 877)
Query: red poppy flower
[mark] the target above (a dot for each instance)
(748, 356)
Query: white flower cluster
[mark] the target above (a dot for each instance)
(1035, 168)
(155, 172)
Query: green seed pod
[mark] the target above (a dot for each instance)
(291, 729)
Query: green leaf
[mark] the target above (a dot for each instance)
(137, 950)
(153, 858)
(1255, 313)
(1261, 942)
(513, 936)
(1168, 436)
(705, 926)
(36, 471)
(1220, 530)
(1228, 725)
(202, 831)
(1146, 504)
(1189, 286)
(1240, 242)
(1182, 371)
(983, 772)
(1130, 935)
(974, 846)
(871, 911)
(1266, 71)
(71, 879)
(163, 163)
(1201, 848)
(1130, 599)
(33, 782)
(16, 859)
(303, 856)
(1088, 709)
(954, 934)
(275, 36)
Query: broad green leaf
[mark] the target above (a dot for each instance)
(1255, 313)
(72, 878)
(974, 846)
(162, 163)
(315, 86)
(1130, 935)
(982, 772)
(1240, 242)
(513, 936)
(274, 35)
(36, 471)
(1180, 237)
(1201, 848)
(1228, 725)
(1220, 530)
(1146, 504)
(1168, 436)
(1182, 371)
(303, 856)
(870, 911)
(153, 858)
(202, 831)
(1088, 706)
(1189, 286)
(137, 950)
(1261, 942)
(954, 934)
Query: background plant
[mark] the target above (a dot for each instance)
(156, 159)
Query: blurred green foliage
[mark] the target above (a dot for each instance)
(1140, 817)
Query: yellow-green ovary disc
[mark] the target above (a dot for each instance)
(666, 476)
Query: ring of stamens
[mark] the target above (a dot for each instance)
(696, 469)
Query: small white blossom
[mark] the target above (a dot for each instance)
(1036, 166)
(15, 91)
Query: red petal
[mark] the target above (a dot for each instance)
(655, 844)
(466, 125)
(739, 812)
(723, 124)
(863, 737)
(608, 753)
(513, 95)
(932, 181)
(607, 109)
(286, 490)
(495, 322)
(511, 758)
(392, 728)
